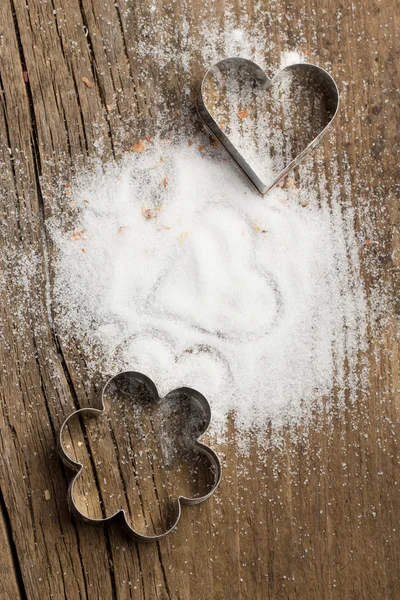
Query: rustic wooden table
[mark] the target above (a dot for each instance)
(296, 524)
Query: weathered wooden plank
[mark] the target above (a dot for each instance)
(11, 584)
(295, 523)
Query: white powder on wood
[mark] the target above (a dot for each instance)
(175, 267)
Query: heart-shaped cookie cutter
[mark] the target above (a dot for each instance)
(215, 463)
(254, 71)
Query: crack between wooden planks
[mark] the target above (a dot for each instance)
(92, 464)
(34, 131)
(62, 575)
(159, 508)
(78, 545)
(161, 515)
(125, 46)
(66, 129)
(95, 74)
(49, 573)
(137, 481)
(13, 548)
(163, 570)
(14, 174)
(58, 31)
(116, 450)
(30, 504)
(102, 506)
(80, 112)
(111, 565)
(127, 497)
(142, 507)
(153, 474)
(61, 109)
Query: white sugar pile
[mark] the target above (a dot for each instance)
(175, 267)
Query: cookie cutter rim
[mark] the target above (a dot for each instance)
(259, 75)
(78, 467)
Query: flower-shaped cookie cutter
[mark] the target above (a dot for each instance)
(260, 79)
(191, 442)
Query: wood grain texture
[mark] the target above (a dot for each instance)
(296, 523)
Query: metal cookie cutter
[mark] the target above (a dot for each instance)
(254, 72)
(189, 440)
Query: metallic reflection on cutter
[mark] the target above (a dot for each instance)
(257, 74)
(215, 464)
